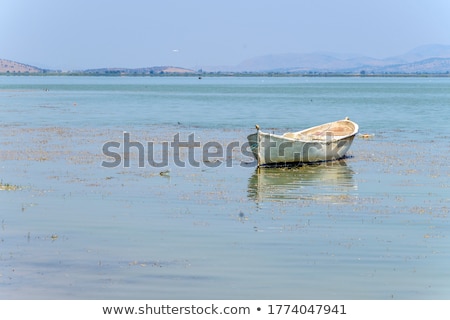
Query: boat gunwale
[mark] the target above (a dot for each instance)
(282, 137)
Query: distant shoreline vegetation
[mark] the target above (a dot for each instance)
(12, 68)
(114, 73)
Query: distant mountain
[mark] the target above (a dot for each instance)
(425, 52)
(310, 61)
(138, 71)
(12, 67)
(432, 65)
(8, 66)
(433, 59)
(423, 59)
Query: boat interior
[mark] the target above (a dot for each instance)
(329, 131)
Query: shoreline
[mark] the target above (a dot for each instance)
(201, 75)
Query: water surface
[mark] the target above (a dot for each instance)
(372, 226)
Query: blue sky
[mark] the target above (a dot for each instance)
(194, 33)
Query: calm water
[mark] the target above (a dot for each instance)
(374, 226)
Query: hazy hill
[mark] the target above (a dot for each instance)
(425, 52)
(423, 59)
(8, 66)
(432, 65)
(138, 71)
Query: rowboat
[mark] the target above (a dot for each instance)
(326, 142)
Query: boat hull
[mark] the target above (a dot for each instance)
(294, 148)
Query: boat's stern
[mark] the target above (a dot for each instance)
(253, 141)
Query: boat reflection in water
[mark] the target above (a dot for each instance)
(327, 181)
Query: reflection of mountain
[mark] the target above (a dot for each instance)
(326, 181)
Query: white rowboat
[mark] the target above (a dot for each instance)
(329, 141)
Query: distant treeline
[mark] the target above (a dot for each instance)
(161, 73)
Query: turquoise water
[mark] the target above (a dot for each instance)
(373, 226)
(376, 103)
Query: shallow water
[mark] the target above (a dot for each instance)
(372, 226)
